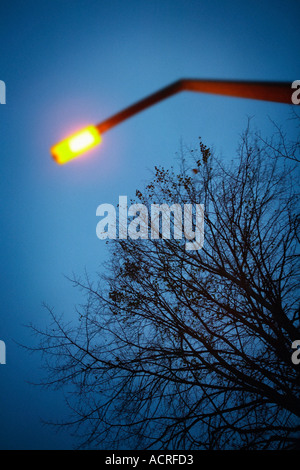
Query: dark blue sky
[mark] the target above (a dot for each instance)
(67, 64)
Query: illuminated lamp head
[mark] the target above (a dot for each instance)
(76, 144)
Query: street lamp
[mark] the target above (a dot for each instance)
(90, 136)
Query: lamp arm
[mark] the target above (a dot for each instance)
(279, 92)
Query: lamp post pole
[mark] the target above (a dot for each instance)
(87, 138)
(279, 92)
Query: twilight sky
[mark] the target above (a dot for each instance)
(70, 63)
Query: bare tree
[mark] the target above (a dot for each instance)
(178, 349)
(280, 145)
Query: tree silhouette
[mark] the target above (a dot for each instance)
(178, 349)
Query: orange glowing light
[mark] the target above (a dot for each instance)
(76, 144)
